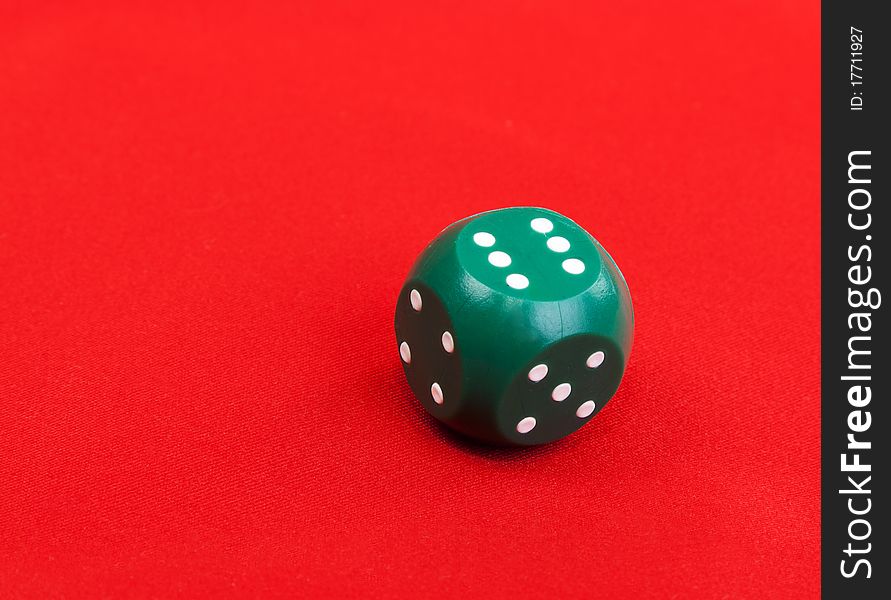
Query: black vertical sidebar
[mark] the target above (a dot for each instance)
(855, 333)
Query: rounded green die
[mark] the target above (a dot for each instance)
(514, 326)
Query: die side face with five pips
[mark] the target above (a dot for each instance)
(514, 326)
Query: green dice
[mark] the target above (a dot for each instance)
(514, 326)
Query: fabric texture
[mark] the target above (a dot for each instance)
(206, 213)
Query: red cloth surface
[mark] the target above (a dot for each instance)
(206, 212)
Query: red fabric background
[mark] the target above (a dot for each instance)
(206, 213)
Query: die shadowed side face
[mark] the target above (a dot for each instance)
(560, 389)
(428, 349)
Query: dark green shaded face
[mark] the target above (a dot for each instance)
(529, 253)
(428, 349)
(560, 390)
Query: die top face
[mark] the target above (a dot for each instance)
(529, 253)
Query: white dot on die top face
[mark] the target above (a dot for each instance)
(405, 352)
(517, 281)
(538, 372)
(561, 392)
(499, 258)
(484, 239)
(585, 409)
(542, 225)
(573, 266)
(595, 360)
(448, 342)
(416, 301)
(436, 392)
(526, 425)
(558, 244)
